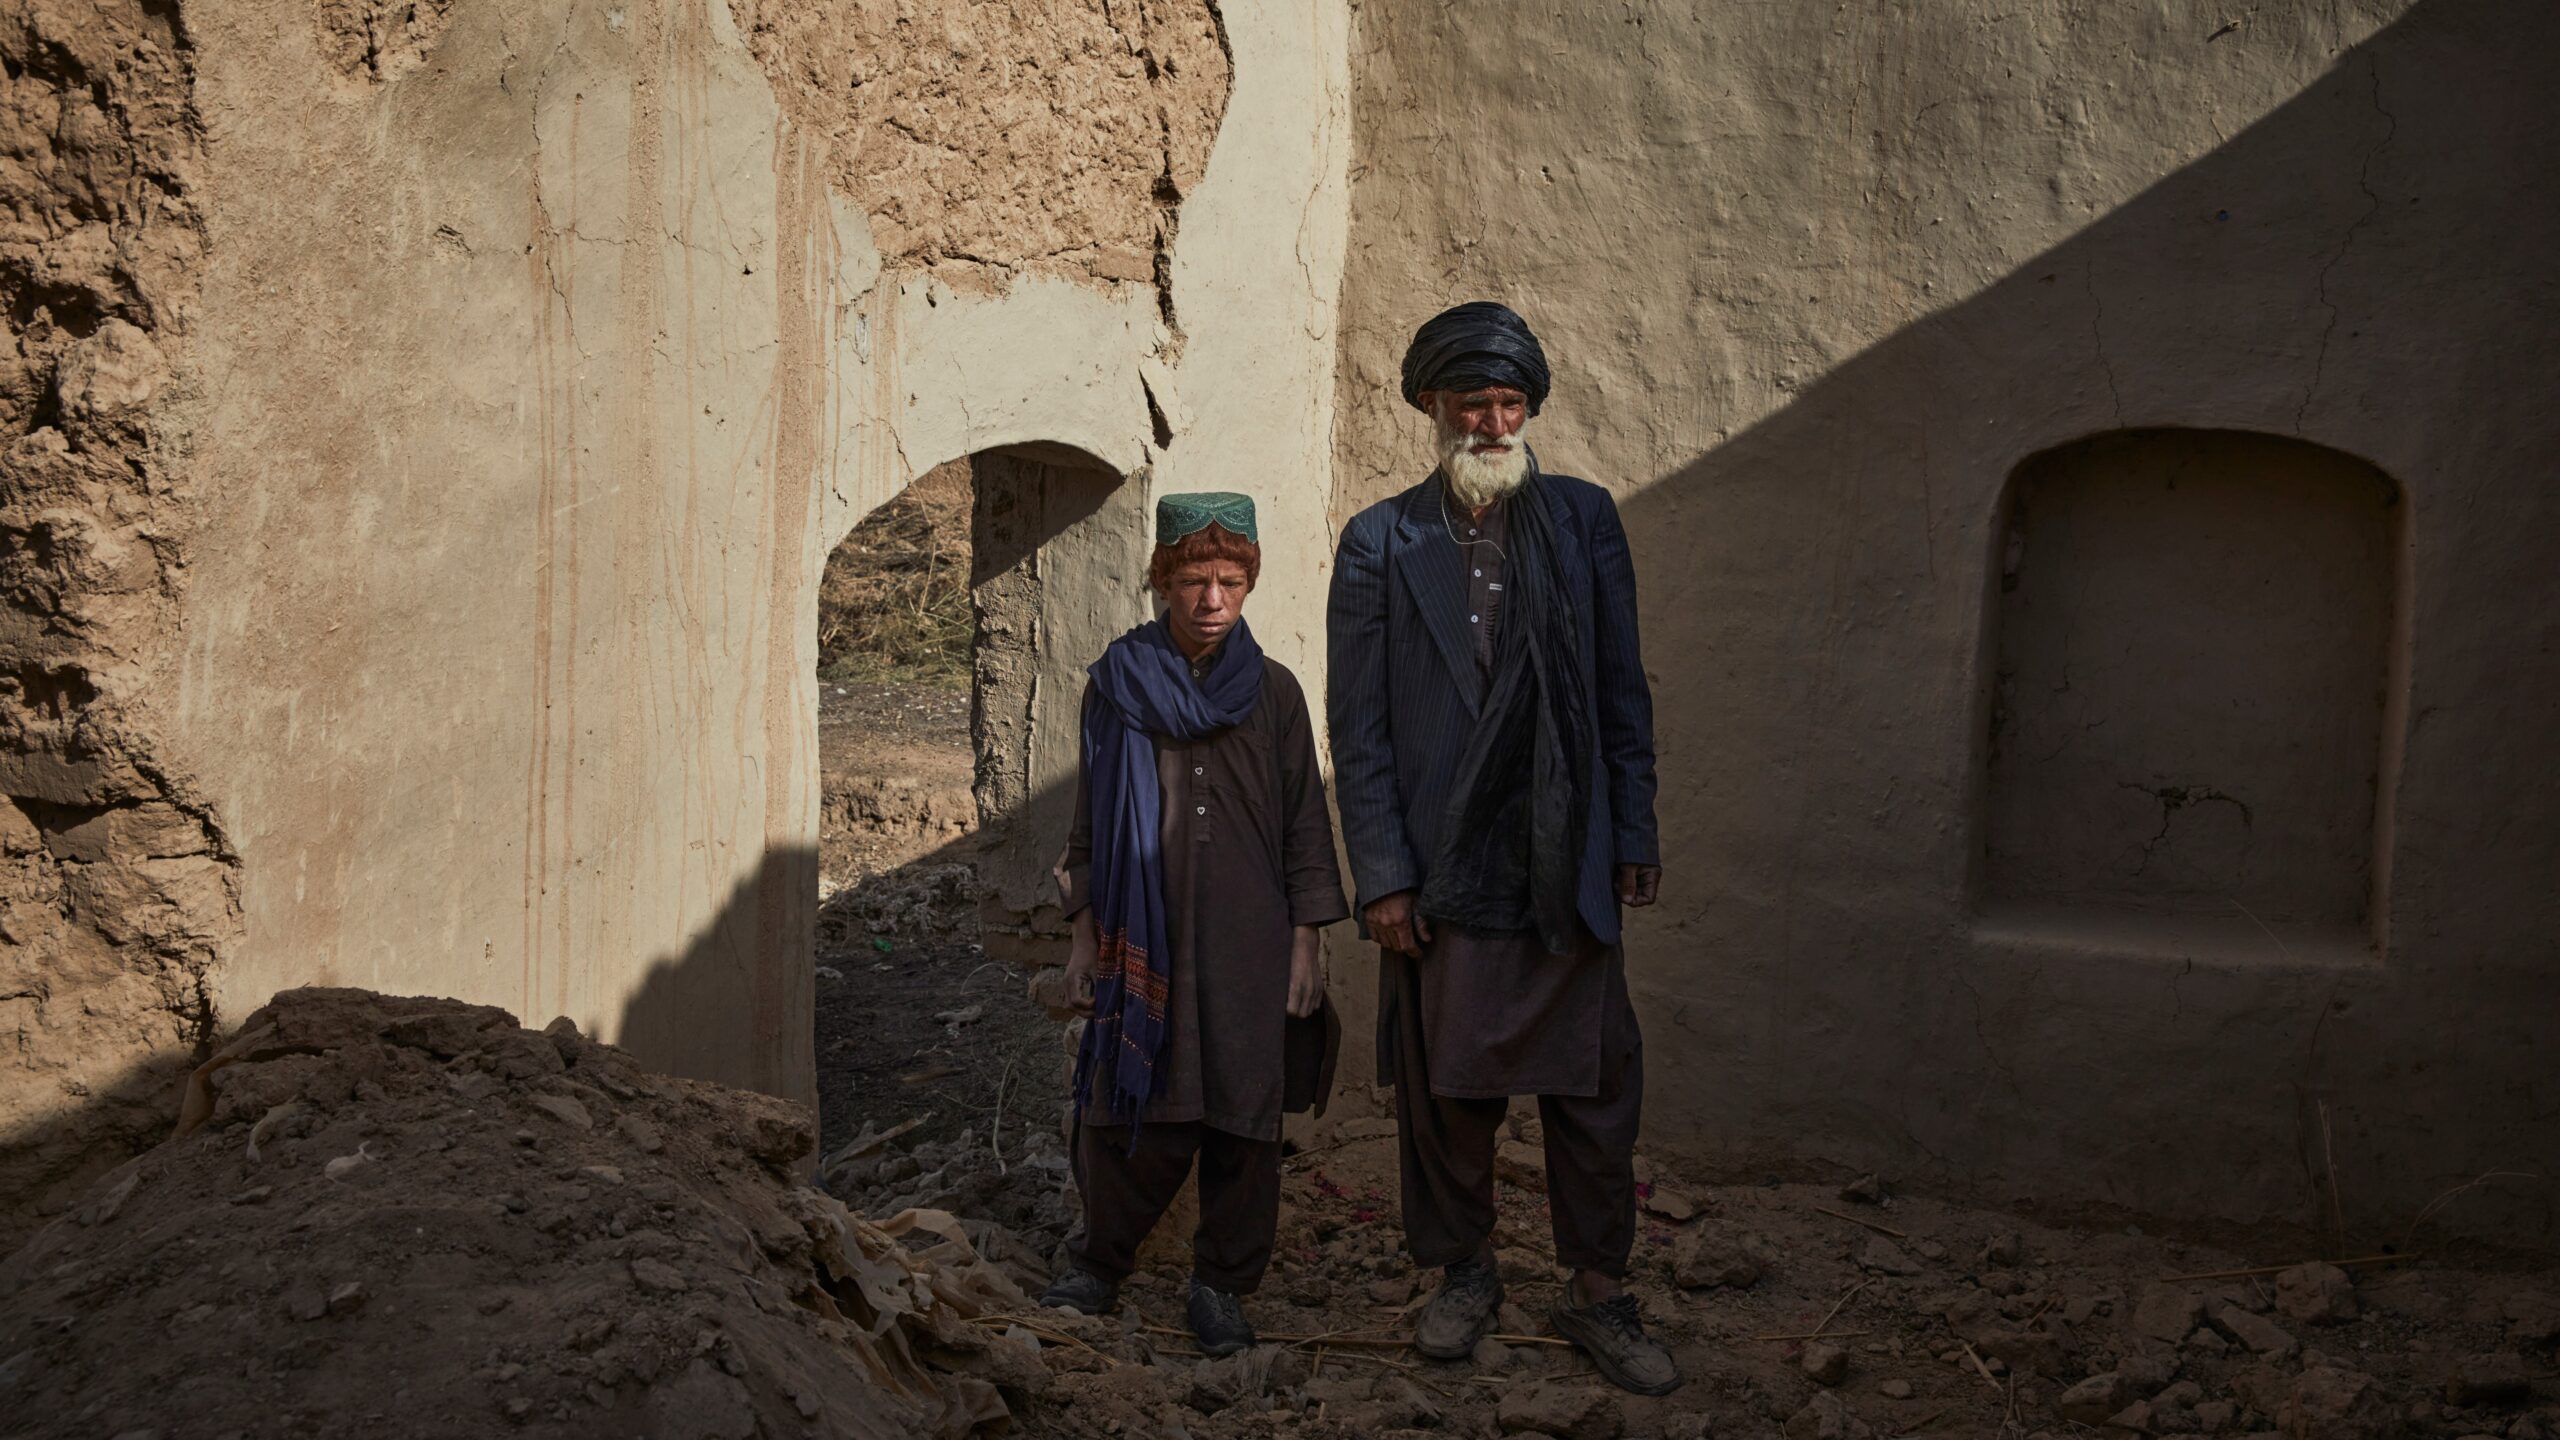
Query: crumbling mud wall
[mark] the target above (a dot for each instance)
(1820, 289)
(118, 891)
(1058, 136)
(497, 379)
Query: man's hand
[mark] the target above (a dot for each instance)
(1306, 972)
(1396, 925)
(1639, 885)
(1083, 954)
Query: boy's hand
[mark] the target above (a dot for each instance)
(1306, 973)
(1084, 953)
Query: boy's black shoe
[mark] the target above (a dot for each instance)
(1217, 1321)
(1461, 1313)
(1080, 1290)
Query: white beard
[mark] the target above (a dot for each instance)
(1477, 480)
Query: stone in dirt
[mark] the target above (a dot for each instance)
(1827, 1364)
(1865, 1190)
(1247, 1375)
(1894, 1389)
(2533, 1318)
(2262, 1335)
(1402, 1405)
(1828, 1417)
(2166, 1313)
(2329, 1403)
(1577, 1412)
(2316, 1294)
(1672, 1203)
(2145, 1374)
(1521, 1164)
(2489, 1380)
(1881, 1255)
(1718, 1256)
(2093, 1400)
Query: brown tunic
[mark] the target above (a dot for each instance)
(1248, 856)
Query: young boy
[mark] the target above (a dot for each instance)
(1198, 874)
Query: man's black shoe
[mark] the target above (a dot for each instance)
(1462, 1313)
(1217, 1321)
(1080, 1290)
(1612, 1334)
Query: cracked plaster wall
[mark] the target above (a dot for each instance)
(118, 895)
(541, 375)
(1816, 281)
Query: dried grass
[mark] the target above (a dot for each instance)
(894, 604)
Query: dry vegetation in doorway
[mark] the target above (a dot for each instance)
(894, 605)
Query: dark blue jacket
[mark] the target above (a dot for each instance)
(1402, 688)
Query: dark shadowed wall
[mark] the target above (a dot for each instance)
(2089, 476)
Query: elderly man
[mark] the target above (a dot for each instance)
(1493, 755)
(1198, 871)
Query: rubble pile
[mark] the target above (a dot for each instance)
(414, 1217)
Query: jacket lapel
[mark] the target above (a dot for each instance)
(1573, 559)
(1427, 558)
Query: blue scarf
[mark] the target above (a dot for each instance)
(1142, 688)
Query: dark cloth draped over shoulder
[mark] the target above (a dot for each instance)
(1510, 850)
(1472, 347)
(1145, 688)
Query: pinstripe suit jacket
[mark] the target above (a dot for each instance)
(1403, 689)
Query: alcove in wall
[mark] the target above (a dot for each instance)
(2195, 639)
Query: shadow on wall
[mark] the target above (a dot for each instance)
(684, 1018)
(1821, 595)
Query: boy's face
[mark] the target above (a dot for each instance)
(1203, 600)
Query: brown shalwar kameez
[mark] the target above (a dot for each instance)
(1248, 857)
(1482, 1017)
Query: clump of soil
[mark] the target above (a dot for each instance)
(413, 1217)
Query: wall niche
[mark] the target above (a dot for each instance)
(2194, 633)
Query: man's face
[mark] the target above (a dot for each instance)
(1490, 419)
(1203, 600)
(1478, 441)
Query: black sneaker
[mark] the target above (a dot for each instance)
(1612, 1334)
(1217, 1321)
(1462, 1313)
(1080, 1290)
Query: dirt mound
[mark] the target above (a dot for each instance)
(414, 1217)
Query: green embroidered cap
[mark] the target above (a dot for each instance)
(1181, 515)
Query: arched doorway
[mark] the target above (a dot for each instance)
(954, 625)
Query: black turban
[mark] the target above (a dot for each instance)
(1473, 347)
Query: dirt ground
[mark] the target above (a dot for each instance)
(1934, 1319)
(914, 1022)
